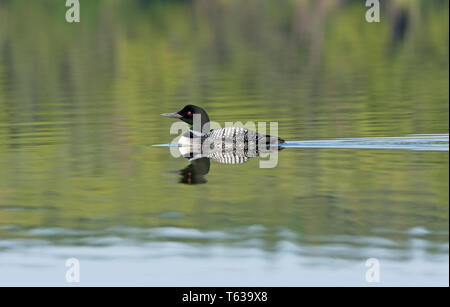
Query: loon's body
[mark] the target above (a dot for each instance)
(229, 135)
(230, 145)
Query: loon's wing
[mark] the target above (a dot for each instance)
(242, 135)
(228, 158)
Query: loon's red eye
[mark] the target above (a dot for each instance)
(189, 113)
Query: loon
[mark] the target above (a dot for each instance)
(230, 145)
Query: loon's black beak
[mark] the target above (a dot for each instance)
(172, 115)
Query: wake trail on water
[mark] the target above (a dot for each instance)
(424, 142)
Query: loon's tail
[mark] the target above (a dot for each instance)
(273, 140)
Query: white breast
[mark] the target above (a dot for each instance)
(185, 141)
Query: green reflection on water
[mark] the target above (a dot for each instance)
(80, 105)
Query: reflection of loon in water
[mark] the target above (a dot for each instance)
(230, 145)
(194, 173)
(200, 161)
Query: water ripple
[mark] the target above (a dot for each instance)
(427, 142)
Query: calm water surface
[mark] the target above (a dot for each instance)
(79, 113)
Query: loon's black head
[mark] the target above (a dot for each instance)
(191, 113)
